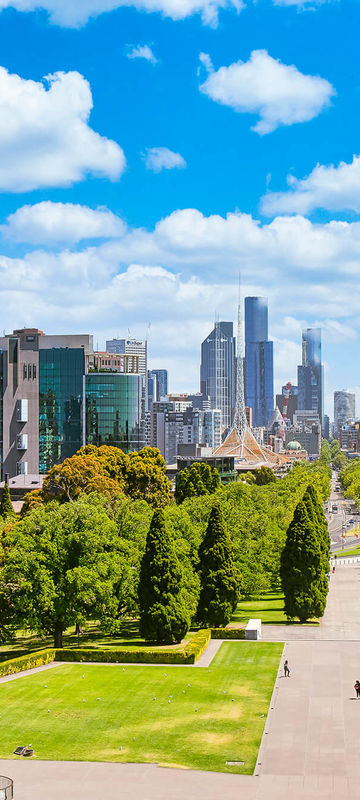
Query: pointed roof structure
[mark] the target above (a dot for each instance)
(241, 442)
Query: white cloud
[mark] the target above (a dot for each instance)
(75, 13)
(159, 158)
(142, 51)
(58, 223)
(45, 137)
(301, 4)
(333, 188)
(278, 93)
(181, 272)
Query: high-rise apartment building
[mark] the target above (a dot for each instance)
(217, 371)
(56, 395)
(259, 369)
(311, 374)
(344, 409)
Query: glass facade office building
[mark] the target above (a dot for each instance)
(61, 390)
(311, 374)
(259, 366)
(115, 405)
(217, 371)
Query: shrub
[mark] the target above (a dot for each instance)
(36, 659)
(196, 646)
(228, 633)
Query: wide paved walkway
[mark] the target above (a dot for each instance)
(310, 748)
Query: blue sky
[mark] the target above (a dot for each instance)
(133, 189)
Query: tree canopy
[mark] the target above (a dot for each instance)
(163, 616)
(219, 579)
(196, 480)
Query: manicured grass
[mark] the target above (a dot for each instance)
(269, 607)
(231, 702)
(354, 552)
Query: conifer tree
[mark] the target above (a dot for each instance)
(163, 616)
(219, 581)
(302, 572)
(311, 499)
(6, 506)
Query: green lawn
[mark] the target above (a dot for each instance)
(354, 552)
(269, 607)
(220, 716)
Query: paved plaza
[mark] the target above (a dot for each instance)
(311, 744)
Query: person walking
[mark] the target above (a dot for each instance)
(357, 688)
(287, 670)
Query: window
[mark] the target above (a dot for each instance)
(34, 371)
(25, 371)
(29, 371)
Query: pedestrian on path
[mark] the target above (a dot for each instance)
(287, 671)
(357, 688)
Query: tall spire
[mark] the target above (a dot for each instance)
(240, 421)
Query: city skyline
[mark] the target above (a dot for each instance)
(152, 177)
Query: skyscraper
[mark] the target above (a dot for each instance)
(344, 409)
(259, 369)
(311, 374)
(217, 371)
(161, 376)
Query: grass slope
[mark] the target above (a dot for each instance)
(231, 703)
(269, 607)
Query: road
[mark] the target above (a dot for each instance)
(341, 518)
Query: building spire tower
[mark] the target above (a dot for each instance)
(240, 421)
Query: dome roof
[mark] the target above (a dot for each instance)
(293, 445)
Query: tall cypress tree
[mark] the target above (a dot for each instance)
(6, 506)
(311, 499)
(302, 572)
(163, 616)
(219, 581)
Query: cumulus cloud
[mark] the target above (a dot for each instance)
(142, 51)
(184, 269)
(58, 223)
(45, 136)
(301, 4)
(278, 93)
(159, 158)
(75, 13)
(333, 188)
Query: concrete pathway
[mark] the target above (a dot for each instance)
(311, 744)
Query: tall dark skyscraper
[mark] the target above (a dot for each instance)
(161, 382)
(217, 371)
(259, 369)
(311, 374)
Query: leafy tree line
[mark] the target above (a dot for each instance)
(64, 562)
(350, 479)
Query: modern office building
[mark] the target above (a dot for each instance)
(217, 371)
(56, 395)
(136, 347)
(161, 376)
(344, 409)
(287, 401)
(259, 369)
(171, 428)
(115, 410)
(42, 399)
(311, 374)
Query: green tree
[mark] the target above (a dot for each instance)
(302, 572)
(339, 461)
(325, 452)
(6, 506)
(61, 563)
(163, 616)
(263, 476)
(315, 512)
(219, 592)
(196, 480)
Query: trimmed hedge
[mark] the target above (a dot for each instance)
(196, 646)
(228, 633)
(36, 659)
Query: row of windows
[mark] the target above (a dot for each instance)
(29, 372)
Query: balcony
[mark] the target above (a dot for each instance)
(22, 411)
(22, 441)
